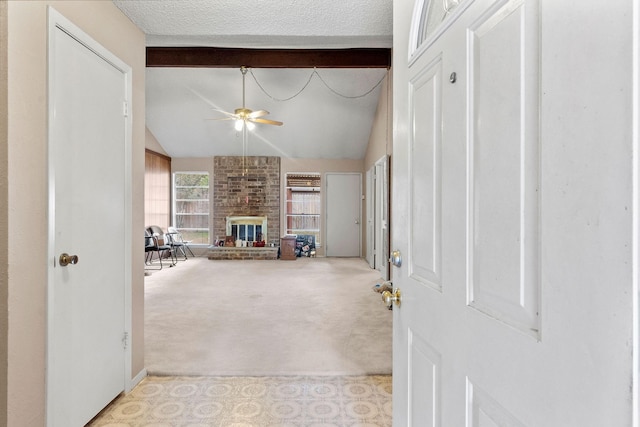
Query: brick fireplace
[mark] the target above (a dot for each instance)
(254, 193)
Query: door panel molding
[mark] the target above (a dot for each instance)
(484, 410)
(425, 377)
(425, 197)
(503, 165)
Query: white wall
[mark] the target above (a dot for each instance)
(4, 211)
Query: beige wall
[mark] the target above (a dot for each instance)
(27, 189)
(4, 214)
(380, 140)
(192, 164)
(316, 165)
(151, 143)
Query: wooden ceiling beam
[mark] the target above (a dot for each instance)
(216, 57)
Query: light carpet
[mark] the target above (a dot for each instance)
(312, 316)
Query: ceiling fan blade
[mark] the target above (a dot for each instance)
(223, 118)
(226, 113)
(267, 122)
(258, 113)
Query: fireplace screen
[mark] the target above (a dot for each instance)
(248, 232)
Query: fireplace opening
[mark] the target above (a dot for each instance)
(247, 228)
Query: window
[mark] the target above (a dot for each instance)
(191, 206)
(303, 204)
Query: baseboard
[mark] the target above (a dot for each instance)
(136, 380)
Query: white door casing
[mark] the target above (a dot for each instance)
(516, 276)
(343, 198)
(377, 203)
(88, 318)
(382, 216)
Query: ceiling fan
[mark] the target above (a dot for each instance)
(245, 117)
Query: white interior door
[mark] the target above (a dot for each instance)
(370, 204)
(504, 319)
(88, 219)
(343, 196)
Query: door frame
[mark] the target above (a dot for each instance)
(57, 22)
(636, 214)
(382, 212)
(377, 213)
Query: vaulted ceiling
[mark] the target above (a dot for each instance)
(195, 51)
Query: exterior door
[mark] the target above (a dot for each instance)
(343, 213)
(516, 272)
(88, 220)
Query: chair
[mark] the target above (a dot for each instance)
(155, 241)
(178, 243)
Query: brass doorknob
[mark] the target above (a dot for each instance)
(66, 259)
(392, 297)
(396, 258)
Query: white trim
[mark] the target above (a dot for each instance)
(57, 21)
(636, 216)
(133, 382)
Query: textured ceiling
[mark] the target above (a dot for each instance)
(263, 23)
(317, 123)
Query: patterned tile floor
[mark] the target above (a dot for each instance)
(297, 401)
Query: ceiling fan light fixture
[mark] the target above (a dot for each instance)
(243, 117)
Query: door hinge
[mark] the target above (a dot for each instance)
(125, 108)
(125, 340)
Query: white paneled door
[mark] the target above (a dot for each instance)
(515, 280)
(89, 237)
(343, 198)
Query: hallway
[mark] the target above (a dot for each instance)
(302, 360)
